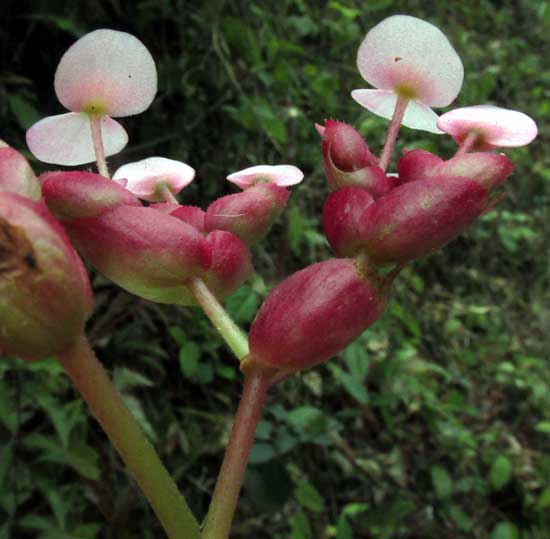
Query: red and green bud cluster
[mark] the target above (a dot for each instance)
(430, 202)
(151, 251)
(45, 295)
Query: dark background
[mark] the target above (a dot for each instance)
(434, 424)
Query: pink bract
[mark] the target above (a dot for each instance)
(405, 56)
(282, 175)
(106, 72)
(147, 178)
(495, 127)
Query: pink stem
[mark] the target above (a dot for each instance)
(467, 144)
(97, 138)
(167, 195)
(226, 494)
(391, 137)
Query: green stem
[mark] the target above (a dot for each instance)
(167, 195)
(97, 138)
(226, 494)
(106, 404)
(391, 137)
(234, 337)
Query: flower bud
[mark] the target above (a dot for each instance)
(16, 175)
(315, 313)
(349, 162)
(45, 295)
(148, 253)
(230, 262)
(342, 215)
(71, 195)
(488, 169)
(250, 214)
(420, 217)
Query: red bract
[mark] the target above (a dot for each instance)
(488, 169)
(192, 215)
(250, 214)
(349, 162)
(16, 175)
(342, 215)
(46, 296)
(314, 314)
(420, 217)
(72, 195)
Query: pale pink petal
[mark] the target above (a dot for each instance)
(496, 127)
(66, 139)
(382, 103)
(106, 72)
(148, 177)
(411, 55)
(282, 175)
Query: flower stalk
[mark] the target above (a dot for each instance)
(231, 333)
(226, 494)
(106, 404)
(99, 150)
(391, 136)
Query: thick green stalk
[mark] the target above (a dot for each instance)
(142, 461)
(226, 494)
(231, 333)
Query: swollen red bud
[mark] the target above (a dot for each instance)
(420, 217)
(45, 295)
(71, 195)
(250, 214)
(148, 253)
(16, 175)
(191, 215)
(314, 314)
(488, 169)
(230, 262)
(349, 162)
(342, 214)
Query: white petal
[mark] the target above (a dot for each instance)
(382, 103)
(66, 139)
(412, 53)
(107, 72)
(282, 175)
(498, 127)
(144, 178)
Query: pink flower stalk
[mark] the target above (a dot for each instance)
(349, 162)
(16, 175)
(250, 214)
(104, 74)
(486, 127)
(155, 179)
(46, 295)
(313, 314)
(281, 175)
(410, 60)
(147, 251)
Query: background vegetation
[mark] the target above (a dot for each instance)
(435, 424)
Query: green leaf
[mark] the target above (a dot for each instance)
(243, 304)
(125, 378)
(501, 472)
(261, 452)
(505, 530)
(442, 482)
(300, 528)
(461, 519)
(343, 528)
(307, 420)
(309, 497)
(543, 426)
(189, 358)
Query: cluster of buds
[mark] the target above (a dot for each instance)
(376, 221)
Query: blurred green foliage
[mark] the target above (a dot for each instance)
(435, 424)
